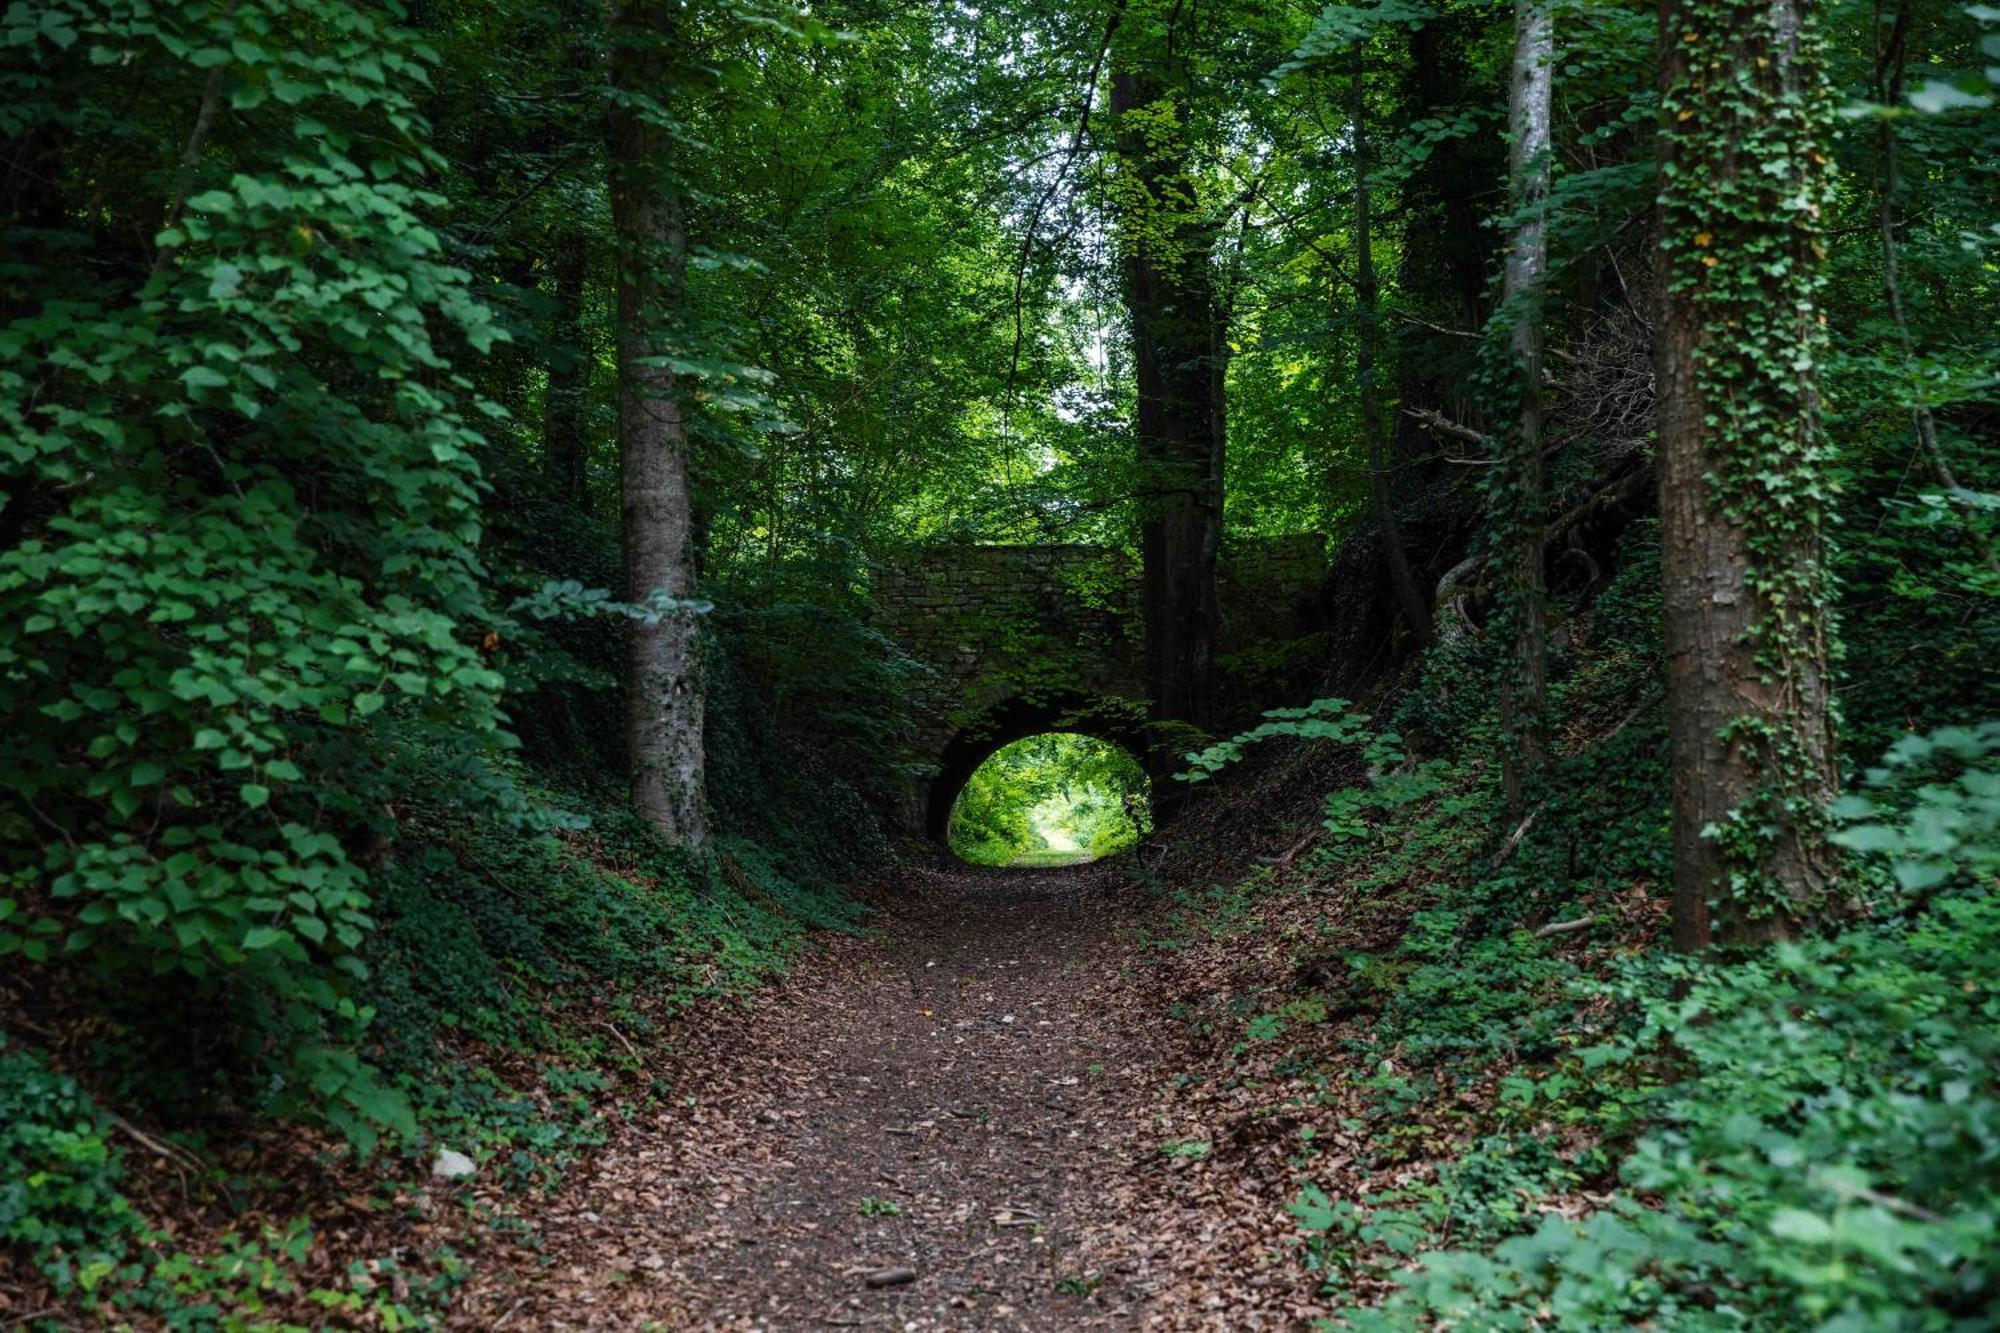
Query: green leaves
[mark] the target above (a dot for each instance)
(1321, 720)
(1930, 832)
(260, 509)
(1935, 97)
(1051, 799)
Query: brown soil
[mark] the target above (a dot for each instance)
(948, 1097)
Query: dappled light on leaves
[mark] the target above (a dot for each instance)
(1051, 800)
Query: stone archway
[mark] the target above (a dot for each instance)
(1118, 721)
(1011, 640)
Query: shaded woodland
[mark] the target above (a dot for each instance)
(449, 455)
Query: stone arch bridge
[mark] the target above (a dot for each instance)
(1016, 640)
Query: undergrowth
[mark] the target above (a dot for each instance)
(520, 952)
(1562, 1125)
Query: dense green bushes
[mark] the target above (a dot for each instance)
(1800, 1139)
(1810, 1138)
(252, 653)
(59, 1175)
(265, 833)
(1568, 1129)
(239, 579)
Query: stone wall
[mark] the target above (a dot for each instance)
(1269, 588)
(975, 613)
(1017, 639)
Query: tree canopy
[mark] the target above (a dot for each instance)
(452, 455)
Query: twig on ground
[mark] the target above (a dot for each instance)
(173, 1152)
(1283, 862)
(1514, 838)
(629, 1048)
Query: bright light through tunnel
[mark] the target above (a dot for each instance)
(1051, 800)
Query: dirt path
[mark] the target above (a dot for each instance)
(940, 1099)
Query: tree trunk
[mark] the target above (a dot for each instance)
(1742, 469)
(1443, 266)
(1523, 691)
(1179, 359)
(565, 405)
(1402, 580)
(663, 682)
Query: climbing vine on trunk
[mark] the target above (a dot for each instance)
(1743, 466)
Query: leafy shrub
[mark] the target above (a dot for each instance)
(247, 503)
(1818, 1123)
(1320, 720)
(59, 1176)
(490, 928)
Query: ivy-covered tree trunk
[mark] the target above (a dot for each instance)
(1743, 488)
(565, 403)
(1368, 339)
(1178, 354)
(1524, 688)
(664, 690)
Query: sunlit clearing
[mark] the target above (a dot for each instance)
(1051, 800)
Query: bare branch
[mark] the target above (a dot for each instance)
(1440, 424)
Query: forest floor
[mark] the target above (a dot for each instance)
(947, 1124)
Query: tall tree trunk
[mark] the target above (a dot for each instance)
(1742, 468)
(1402, 580)
(565, 405)
(1523, 691)
(1443, 264)
(1179, 356)
(664, 688)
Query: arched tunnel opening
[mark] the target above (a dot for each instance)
(1041, 780)
(1056, 798)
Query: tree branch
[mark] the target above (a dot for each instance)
(1055, 183)
(1440, 424)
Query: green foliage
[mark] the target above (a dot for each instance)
(1812, 1128)
(1320, 720)
(1828, 1179)
(1930, 833)
(1051, 799)
(60, 1200)
(250, 500)
(489, 924)
(1745, 181)
(282, 308)
(63, 1206)
(1394, 781)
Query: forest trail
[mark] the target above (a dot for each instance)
(949, 1096)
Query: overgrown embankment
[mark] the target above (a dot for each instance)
(515, 976)
(521, 942)
(1440, 1067)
